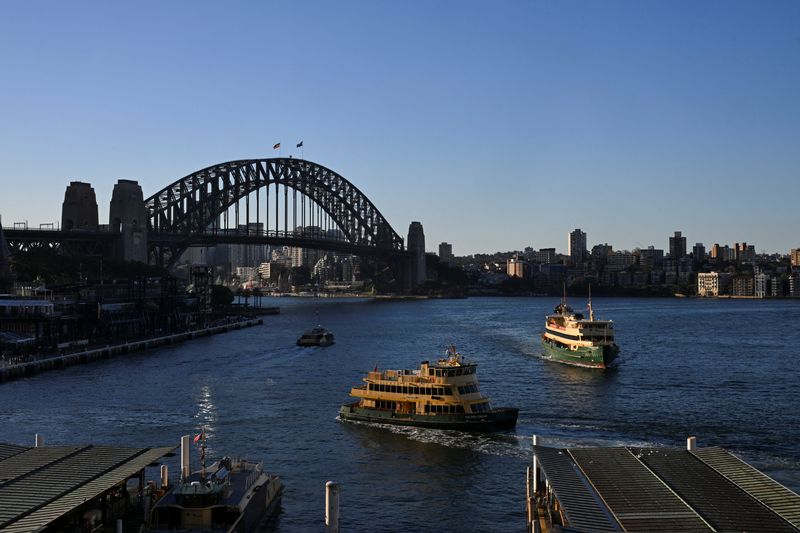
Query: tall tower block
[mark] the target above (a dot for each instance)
(416, 244)
(128, 216)
(79, 210)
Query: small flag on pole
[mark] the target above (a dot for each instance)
(300, 144)
(276, 146)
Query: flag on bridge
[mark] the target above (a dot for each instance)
(300, 144)
(276, 146)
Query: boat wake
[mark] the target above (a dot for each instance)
(498, 444)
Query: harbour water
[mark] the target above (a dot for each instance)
(724, 370)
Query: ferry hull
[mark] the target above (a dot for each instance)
(499, 419)
(584, 356)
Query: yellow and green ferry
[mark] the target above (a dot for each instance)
(443, 395)
(572, 339)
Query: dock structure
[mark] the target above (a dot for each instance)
(73, 488)
(654, 489)
(42, 364)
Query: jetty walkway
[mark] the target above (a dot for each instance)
(34, 366)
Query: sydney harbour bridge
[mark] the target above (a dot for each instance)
(274, 201)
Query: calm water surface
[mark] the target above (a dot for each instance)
(726, 371)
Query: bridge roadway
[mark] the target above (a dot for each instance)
(98, 241)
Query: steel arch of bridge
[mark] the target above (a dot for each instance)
(191, 205)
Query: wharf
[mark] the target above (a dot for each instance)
(654, 489)
(36, 366)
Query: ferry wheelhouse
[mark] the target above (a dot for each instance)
(572, 339)
(232, 495)
(444, 395)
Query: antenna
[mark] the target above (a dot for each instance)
(591, 311)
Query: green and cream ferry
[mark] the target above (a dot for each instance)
(572, 339)
(444, 395)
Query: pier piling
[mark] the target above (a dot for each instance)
(331, 507)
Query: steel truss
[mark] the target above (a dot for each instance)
(193, 206)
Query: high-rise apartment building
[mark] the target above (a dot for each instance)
(445, 252)
(699, 252)
(677, 246)
(576, 246)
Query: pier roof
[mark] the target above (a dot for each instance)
(40, 485)
(665, 489)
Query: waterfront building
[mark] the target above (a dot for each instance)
(518, 267)
(620, 488)
(743, 285)
(76, 488)
(713, 283)
(794, 284)
(775, 286)
(761, 285)
(677, 246)
(577, 246)
(445, 252)
(794, 257)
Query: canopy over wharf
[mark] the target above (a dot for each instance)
(72, 488)
(654, 489)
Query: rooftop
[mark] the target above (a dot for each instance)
(664, 489)
(40, 485)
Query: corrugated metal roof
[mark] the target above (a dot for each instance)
(580, 503)
(639, 500)
(721, 503)
(60, 478)
(7, 450)
(769, 492)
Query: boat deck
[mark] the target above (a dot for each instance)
(238, 489)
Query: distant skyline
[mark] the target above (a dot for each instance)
(498, 126)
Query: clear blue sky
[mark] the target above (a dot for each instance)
(498, 125)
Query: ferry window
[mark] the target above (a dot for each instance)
(459, 408)
(448, 391)
(438, 372)
(430, 371)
